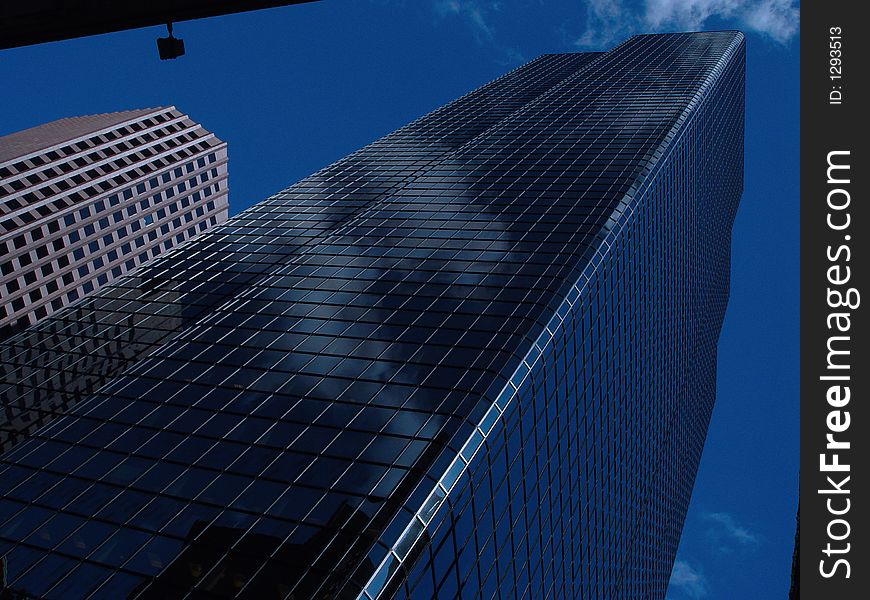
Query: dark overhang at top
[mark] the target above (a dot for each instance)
(39, 21)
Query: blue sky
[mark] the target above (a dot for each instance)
(296, 88)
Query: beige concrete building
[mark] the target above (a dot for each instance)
(84, 200)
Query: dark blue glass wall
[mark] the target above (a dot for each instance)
(475, 358)
(576, 485)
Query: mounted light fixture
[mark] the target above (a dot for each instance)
(170, 47)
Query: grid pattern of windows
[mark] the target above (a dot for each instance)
(577, 479)
(48, 369)
(84, 200)
(475, 357)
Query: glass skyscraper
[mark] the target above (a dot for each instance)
(474, 359)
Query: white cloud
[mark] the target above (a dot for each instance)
(727, 529)
(475, 12)
(480, 16)
(687, 14)
(606, 21)
(610, 20)
(777, 18)
(688, 580)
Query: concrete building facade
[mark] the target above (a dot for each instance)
(86, 199)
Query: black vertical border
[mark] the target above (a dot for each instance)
(827, 127)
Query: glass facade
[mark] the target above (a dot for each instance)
(475, 358)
